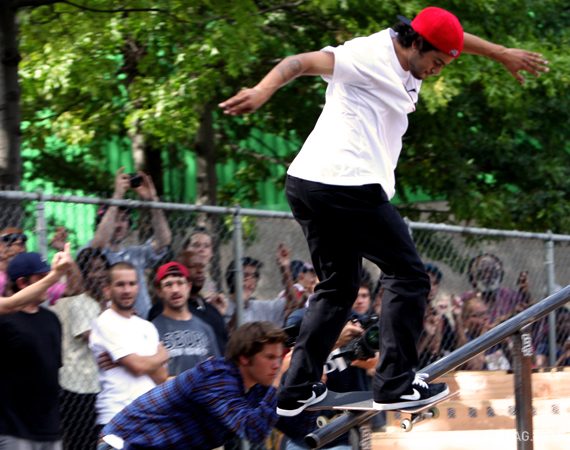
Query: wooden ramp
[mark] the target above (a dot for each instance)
(467, 440)
(483, 416)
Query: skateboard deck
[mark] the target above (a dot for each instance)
(362, 401)
(356, 401)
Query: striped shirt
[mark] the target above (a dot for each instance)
(204, 408)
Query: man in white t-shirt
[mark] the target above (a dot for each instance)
(340, 185)
(132, 344)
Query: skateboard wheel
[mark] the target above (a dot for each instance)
(322, 421)
(406, 425)
(434, 412)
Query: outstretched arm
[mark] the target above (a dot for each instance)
(162, 233)
(61, 262)
(514, 59)
(248, 100)
(104, 231)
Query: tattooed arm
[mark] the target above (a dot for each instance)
(248, 100)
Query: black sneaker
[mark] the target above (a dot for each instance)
(290, 408)
(419, 394)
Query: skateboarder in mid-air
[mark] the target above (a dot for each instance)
(340, 185)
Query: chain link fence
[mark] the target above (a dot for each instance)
(481, 277)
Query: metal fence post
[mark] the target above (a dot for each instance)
(41, 228)
(522, 368)
(238, 268)
(238, 282)
(550, 287)
(409, 225)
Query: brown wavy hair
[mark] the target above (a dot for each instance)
(251, 337)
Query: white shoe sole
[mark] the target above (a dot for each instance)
(295, 412)
(409, 403)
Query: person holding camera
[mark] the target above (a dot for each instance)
(345, 369)
(113, 224)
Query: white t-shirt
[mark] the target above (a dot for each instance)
(358, 137)
(120, 336)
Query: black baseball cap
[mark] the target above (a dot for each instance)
(26, 264)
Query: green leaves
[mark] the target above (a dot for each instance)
(497, 151)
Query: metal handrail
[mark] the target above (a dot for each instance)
(456, 358)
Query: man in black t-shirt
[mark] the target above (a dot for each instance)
(30, 346)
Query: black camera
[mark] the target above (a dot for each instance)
(365, 346)
(136, 180)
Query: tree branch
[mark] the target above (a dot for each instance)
(258, 155)
(114, 113)
(35, 3)
(17, 4)
(280, 6)
(122, 10)
(66, 109)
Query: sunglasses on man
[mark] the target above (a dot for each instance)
(13, 237)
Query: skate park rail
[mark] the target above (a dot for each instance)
(456, 358)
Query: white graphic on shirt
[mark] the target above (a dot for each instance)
(186, 342)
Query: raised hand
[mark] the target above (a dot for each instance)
(146, 190)
(59, 238)
(122, 183)
(283, 256)
(62, 261)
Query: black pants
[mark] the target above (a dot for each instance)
(342, 224)
(77, 412)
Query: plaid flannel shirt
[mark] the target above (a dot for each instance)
(203, 408)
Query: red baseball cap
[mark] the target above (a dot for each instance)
(171, 268)
(440, 28)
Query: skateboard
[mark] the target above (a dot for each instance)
(362, 401)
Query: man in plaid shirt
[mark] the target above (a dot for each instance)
(220, 398)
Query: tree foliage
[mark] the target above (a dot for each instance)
(497, 151)
(90, 75)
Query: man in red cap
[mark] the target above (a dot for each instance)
(187, 338)
(340, 185)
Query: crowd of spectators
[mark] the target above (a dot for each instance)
(123, 318)
(452, 321)
(101, 334)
